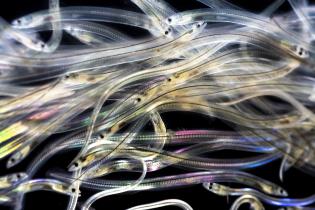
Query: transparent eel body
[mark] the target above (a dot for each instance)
(223, 190)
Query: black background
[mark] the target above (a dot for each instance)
(295, 182)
